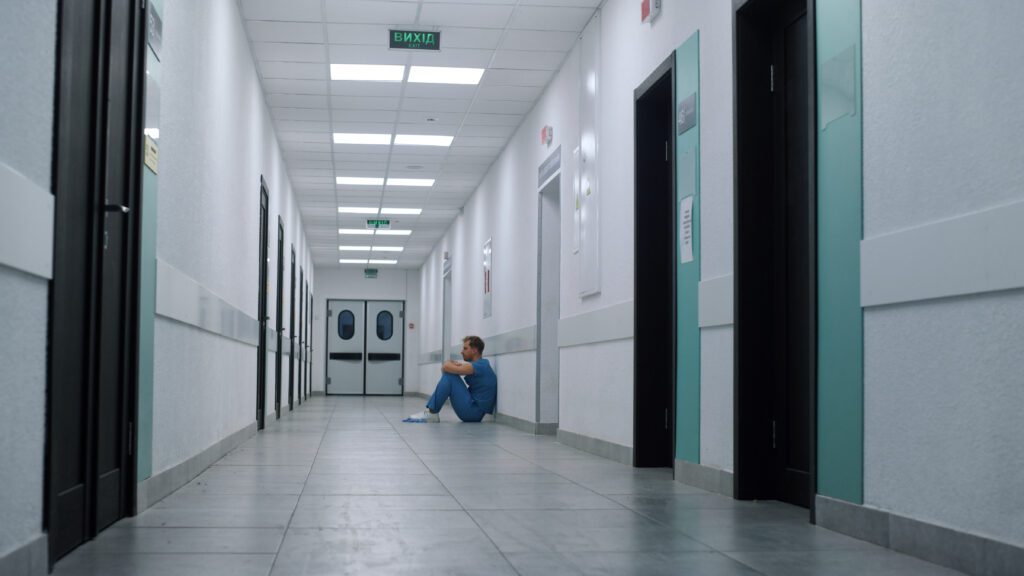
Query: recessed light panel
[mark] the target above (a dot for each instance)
(383, 261)
(351, 261)
(394, 232)
(356, 210)
(354, 248)
(355, 231)
(423, 140)
(348, 138)
(367, 72)
(359, 181)
(443, 75)
(410, 181)
(388, 249)
(413, 211)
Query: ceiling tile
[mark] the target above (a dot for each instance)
(303, 126)
(299, 113)
(550, 18)
(468, 15)
(370, 12)
(297, 100)
(502, 106)
(453, 57)
(289, 86)
(300, 32)
(435, 105)
(456, 91)
(373, 34)
(364, 103)
(509, 77)
(526, 93)
(523, 60)
(494, 119)
(366, 89)
(362, 54)
(458, 37)
(288, 52)
(298, 10)
(550, 40)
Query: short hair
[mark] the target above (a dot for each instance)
(475, 342)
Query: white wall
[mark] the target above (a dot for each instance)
(597, 378)
(350, 283)
(216, 139)
(944, 136)
(28, 32)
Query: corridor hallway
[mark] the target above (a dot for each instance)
(341, 486)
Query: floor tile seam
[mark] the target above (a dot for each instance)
(452, 496)
(280, 544)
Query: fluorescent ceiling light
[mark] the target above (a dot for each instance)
(367, 72)
(356, 210)
(388, 248)
(442, 75)
(414, 211)
(359, 181)
(351, 261)
(359, 231)
(422, 140)
(347, 138)
(394, 232)
(383, 261)
(354, 248)
(410, 181)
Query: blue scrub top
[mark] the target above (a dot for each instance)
(483, 385)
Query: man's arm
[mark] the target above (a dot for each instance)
(460, 368)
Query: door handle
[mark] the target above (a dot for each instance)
(383, 356)
(116, 208)
(358, 356)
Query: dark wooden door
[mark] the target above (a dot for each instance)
(94, 304)
(280, 318)
(261, 350)
(291, 339)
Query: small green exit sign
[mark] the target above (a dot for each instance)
(413, 40)
(369, 272)
(378, 224)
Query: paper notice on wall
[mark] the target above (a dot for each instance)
(686, 230)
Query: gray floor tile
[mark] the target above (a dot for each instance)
(378, 502)
(553, 497)
(620, 563)
(425, 484)
(185, 501)
(877, 562)
(382, 519)
(165, 565)
(211, 518)
(129, 540)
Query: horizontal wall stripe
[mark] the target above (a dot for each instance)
(969, 254)
(519, 340)
(181, 298)
(603, 325)
(715, 299)
(26, 224)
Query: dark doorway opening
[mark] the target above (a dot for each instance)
(261, 351)
(278, 374)
(93, 334)
(302, 334)
(775, 252)
(291, 339)
(654, 374)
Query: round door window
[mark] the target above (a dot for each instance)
(385, 325)
(346, 325)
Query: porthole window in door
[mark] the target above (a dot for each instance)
(385, 325)
(346, 325)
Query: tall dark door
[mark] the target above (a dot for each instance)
(291, 339)
(94, 304)
(280, 318)
(775, 245)
(261, 353)
(654, 301)
(309, 347)
(302, 334)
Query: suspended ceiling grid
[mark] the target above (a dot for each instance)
(519, 44)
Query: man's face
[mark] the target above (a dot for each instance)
(468, 353)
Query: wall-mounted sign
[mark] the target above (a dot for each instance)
(547, 134)
(649, 10)
(378, 224)
(414, 40)
(151, 155)
(686, 115)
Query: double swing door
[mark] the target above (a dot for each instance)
(365, 344)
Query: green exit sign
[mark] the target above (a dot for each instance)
(413, 40)
(378, 224)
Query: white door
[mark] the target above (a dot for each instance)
(384, 347)
(346, 343)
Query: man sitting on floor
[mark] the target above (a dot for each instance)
(470, 399)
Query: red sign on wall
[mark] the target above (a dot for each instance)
(649, 10)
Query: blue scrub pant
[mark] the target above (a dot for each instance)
(452, 387)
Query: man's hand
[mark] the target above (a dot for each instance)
(460, 368)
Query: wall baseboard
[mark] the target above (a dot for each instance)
(159, 486)
(940, 545)
(32, 559)
(535, 428)
(704, 477)
(602, 448)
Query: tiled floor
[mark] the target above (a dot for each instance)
(341, 486)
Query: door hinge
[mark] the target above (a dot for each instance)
(666, 150)
(772, 71)
(773, 433)
(328, 380)
(666, 418)
(131, 438)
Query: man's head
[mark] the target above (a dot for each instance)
(472, 348)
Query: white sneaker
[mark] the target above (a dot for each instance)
(424, 416)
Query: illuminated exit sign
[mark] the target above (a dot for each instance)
(412, 40)
(378, 224)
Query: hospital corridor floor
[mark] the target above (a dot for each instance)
(342, 486)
